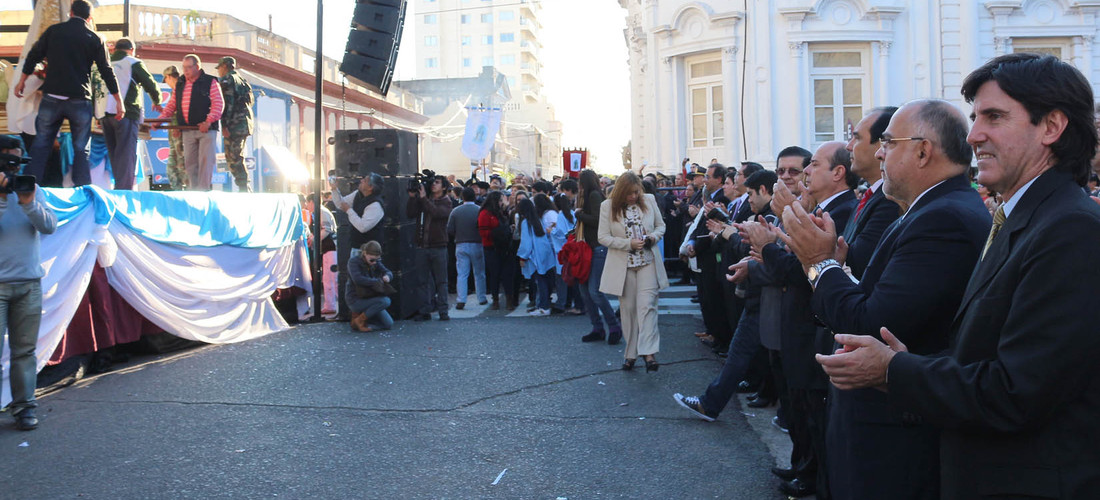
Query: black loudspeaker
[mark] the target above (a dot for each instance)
(375, 37)
(387, 152)
(399, 256)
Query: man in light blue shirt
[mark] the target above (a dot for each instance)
(23, 216)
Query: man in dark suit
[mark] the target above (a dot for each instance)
(746, 339)
(700, 244)
(1016, 394)
(912, 284)
(874, 212)
(801, 382)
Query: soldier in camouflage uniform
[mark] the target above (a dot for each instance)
(176, 173)
(236, 119)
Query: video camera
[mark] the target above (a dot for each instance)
(425, 179)
(9, 164)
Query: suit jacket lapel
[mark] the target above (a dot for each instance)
(844, 198)
(855, 225)
(1001, 247)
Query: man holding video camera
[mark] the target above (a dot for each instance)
(23, 215)
(429, 206)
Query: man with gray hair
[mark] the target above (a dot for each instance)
(913, 284)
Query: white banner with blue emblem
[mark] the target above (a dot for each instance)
(482, 125)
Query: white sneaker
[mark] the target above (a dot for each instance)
(539, 312)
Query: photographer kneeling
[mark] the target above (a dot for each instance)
(368, 287)
(22, 217)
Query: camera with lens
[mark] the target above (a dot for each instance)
(9, 165)
(424, 178)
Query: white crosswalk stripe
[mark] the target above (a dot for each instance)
(673, 300)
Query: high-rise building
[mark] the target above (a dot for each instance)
(457, 38)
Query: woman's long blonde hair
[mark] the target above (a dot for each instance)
(626, 184)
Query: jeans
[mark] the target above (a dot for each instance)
(595, 301)
(121, 138)
(567, 295)
(50, 115)
(21, 314)
(431, 266)
(375, 309)
(745, 343)
(542, 283)
(470, 256)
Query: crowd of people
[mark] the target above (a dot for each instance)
(57, 73)
(913, 317)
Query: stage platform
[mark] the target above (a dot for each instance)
(199, 265)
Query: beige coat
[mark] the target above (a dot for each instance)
(612, 234)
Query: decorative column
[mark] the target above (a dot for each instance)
(731, 109)
(668, 96)
(1002, 45)
(882, 73)
(802, 68)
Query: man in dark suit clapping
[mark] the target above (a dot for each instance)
(913, 284)
(1017, 394)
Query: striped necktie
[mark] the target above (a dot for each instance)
(998, 221)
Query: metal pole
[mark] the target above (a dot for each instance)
(126, 18)
(318, 271)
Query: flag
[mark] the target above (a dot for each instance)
(482, 125)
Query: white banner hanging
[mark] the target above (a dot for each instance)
(482, 125)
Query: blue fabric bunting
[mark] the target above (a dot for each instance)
(197, 219)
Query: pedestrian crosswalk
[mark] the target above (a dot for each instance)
(672, 300)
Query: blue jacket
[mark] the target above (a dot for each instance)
(537, 252)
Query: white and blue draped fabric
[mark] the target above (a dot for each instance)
(202, 266)
(98, 160)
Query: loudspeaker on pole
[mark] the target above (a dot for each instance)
(373, 42)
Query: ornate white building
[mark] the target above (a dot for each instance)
(740, 80)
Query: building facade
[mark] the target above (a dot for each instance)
(460, 39)
(739, 81)
(457, 38)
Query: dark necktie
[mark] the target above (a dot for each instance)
(998, 221)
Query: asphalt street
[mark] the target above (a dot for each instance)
(483, 406)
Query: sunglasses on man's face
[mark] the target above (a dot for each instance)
(372, 260)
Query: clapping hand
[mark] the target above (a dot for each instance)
(811, 238)
(862, 361)
(636, 244)
(740, 271)
(782, 197)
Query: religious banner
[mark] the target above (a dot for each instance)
(482, 125)
(573, 161)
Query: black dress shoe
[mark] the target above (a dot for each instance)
(760, 403)
(796, 488)
(595, 336)
(443, 316)
(614, 337)
(744, 387)
(460, 306)
(784, 474)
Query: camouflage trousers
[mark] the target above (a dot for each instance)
(233, 145)
(176, 173)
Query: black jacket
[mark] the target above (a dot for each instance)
(913, 285)
(1018, 396)
(71, 48)
(863, 234)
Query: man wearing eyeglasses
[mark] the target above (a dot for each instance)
(912, 285)
(874, 212)
(1016, 396)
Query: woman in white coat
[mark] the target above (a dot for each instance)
(630, 228)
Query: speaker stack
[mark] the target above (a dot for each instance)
(393, 155)
(375, 37)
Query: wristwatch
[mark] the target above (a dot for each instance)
(814, 274)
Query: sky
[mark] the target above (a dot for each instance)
(590, 93)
